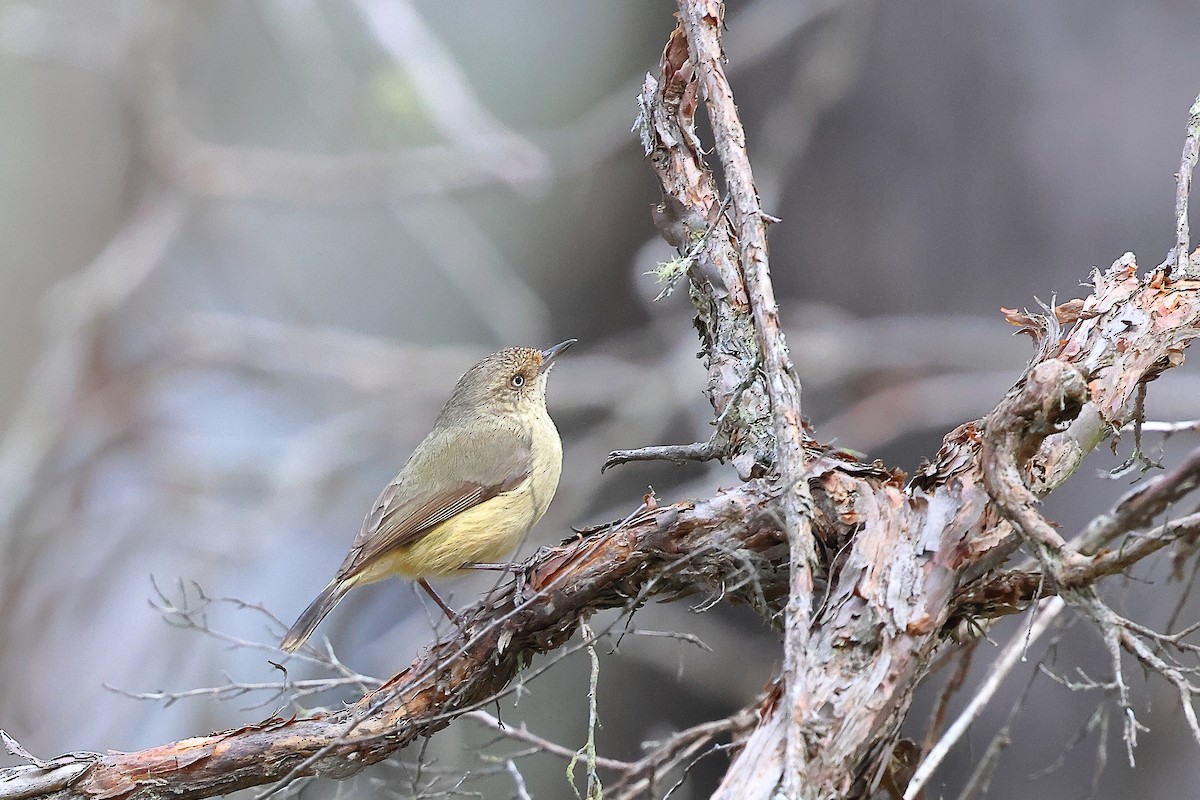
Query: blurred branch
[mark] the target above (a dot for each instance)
(447, 94)
(40, 33)
(497, 294)
(77, 312)
(233, 172)
(1013, 654)
(932, 403)
(311, 178)
(483, 152)
(831, 349)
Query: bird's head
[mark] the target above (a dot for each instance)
(508, 381)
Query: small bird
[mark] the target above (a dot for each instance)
(470, 491)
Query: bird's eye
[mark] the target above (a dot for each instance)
(517, 381)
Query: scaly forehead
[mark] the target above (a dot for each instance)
(516, 358)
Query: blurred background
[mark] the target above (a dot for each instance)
(249, 246)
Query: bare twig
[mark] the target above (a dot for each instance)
(702, 23)
(593, 788)
(1144, 545)
(981, 775)
(1183, 189)
(1140, 506)
(543, 744)
(1181, 426)
(1012, 655)
(641, 777)
(637, 778)
(15, 748)
(518, 779)
(954, 684)
(759, 767)
(677, 453)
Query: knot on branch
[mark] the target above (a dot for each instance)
(1052, 394)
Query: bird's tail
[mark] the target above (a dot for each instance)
(316, 611)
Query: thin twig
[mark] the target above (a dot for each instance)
(669, 753)
(953, 684)
(1183, 189)
(982, 774)
(518, 779)
(522, 734)
(1182, 426)
(593, 787)
(1138, 507)
(1012, 655)
(676, 453)
(702, 24)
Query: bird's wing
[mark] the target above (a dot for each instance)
(477, 467)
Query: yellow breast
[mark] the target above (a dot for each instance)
(488, 532)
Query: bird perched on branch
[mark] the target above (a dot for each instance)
(470, 491)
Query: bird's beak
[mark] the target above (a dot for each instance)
(551, 353)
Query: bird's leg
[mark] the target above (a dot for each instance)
(504, 567)
(450, 615)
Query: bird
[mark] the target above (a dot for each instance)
(469, 492)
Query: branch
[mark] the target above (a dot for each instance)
(642, 776)
(1183, 188)
(700, 22)
(901, 550)
(998, 671)
(1053, 392)
(672, 550)
(677, 453)
(890, 556)
(81, 308)
(541, 743)
(731, 286)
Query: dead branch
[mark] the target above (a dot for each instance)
(905, 552)
(675, 453)
(702, 21)
(1183, 189)
(922, 538)
(1013, 653)
(641, 779)
(668, 550)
